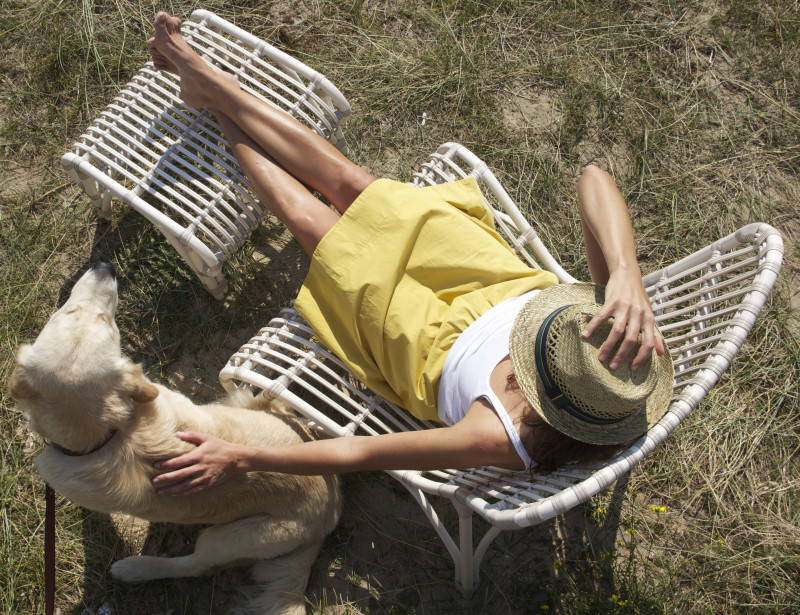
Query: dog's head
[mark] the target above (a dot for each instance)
(74, 377)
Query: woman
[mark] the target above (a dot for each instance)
(384, 295)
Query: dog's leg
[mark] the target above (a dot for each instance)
(281, 583)
(218, 547)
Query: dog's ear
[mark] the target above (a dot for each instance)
(18, 385)
(137, 387)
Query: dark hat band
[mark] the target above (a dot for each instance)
(551, 389)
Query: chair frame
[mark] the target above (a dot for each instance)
(705, 305)
(171, 162)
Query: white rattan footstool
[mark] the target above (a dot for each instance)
(171, 163)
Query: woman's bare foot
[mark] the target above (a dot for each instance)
(159, 61)
(162, 63)
(200, 84)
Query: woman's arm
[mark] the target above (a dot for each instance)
(611, 256)
(479, 439)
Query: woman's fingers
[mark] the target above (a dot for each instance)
(642, 355)
(616, 333)
(630, 337)
(189, 479)
(633, 325)
(661, 347)
(193, 437)
(186, 487)
(212, 462)
(190, 470)
(187, 458)
(175, 463)
(607, 348)
(603, 314)
(646, 344)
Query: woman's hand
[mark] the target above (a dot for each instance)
(628, 304)
(211, 463)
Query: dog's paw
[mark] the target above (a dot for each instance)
(135, 569)
(138, 568)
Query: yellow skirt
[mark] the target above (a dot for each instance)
(399, 277)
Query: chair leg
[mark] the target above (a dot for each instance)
(455, 553)
(470, 567)
(210, 277)
(466, 561)
(101, 199)
(466, 571)
(492, 533)
(217, 286)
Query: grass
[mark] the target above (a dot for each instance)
(694, 107)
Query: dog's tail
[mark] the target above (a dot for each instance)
(280, 583)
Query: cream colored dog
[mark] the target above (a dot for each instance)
(106, 425)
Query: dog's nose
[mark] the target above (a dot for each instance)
(106, 269)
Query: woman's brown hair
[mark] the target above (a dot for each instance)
(551, 449)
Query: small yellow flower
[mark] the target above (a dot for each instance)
(599, 513)
(658, 509)
(544, 607)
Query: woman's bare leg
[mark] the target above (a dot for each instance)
(297, 149)
(306, 217)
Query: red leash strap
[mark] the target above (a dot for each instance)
(50, 551)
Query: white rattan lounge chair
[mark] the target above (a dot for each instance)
(170, 162)
(705, 305)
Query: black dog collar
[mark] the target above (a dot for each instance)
(70, 453)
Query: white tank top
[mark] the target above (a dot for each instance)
(469, 364)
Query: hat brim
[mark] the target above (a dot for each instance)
(523, 364)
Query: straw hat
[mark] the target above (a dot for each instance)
(561, 377)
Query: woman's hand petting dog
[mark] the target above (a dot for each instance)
(213, 462)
